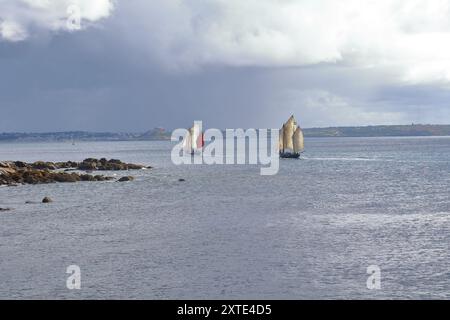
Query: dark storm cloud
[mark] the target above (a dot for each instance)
(84, 81)
(139, 69)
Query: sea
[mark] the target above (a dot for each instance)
(316, 230)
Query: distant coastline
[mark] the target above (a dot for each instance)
(160, 134)
(69, 136)
(412, 130)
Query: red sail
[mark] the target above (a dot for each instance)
(200, 141)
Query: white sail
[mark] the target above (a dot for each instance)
(291, 142)
(195, 133)
(299, 144)
(292, 122)
(193, 140)
(187, 142)
(288, 134)
(280, 140)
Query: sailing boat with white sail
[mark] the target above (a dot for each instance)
(193, 142)
(291, 141)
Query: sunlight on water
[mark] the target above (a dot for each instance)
(227, 232)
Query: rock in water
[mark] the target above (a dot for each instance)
(47, 200)
(127, 178)
(181, 180)
(20, 164)
(15, 173)
(88, 165)
(4, 165)
(41, 165)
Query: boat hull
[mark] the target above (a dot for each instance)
(286, 155)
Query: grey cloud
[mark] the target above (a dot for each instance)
(118, 77)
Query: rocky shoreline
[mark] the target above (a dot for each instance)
(14, 173)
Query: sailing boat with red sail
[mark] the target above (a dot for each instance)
(194, 140)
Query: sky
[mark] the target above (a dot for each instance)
(132, 65)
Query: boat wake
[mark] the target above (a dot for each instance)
(341, 159)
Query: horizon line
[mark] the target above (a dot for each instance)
(167, 130)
